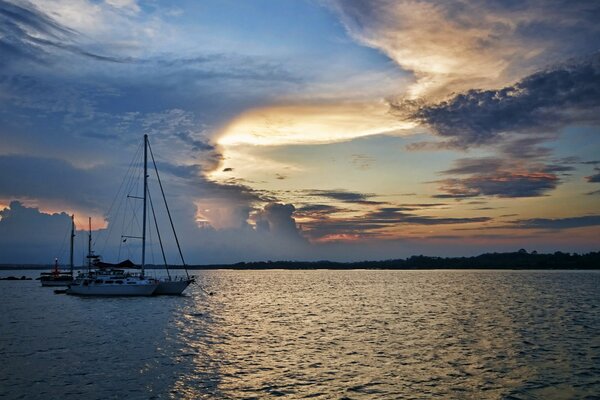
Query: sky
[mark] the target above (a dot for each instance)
(300, 130)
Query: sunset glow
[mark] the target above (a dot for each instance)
(335, 130)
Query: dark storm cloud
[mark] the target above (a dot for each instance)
(544, 101)
(49, 178)
(558, 223)
(28, 234)
(276, 218)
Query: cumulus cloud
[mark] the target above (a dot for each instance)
(28, 235)
(277, 219)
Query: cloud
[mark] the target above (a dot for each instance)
(542, 102)
(55, 180)
(453, 46)
(501, 184)
(28, 235)
(595, 178)
(344, 196)
(395, 215)
(313, 211)
(558, 223)
(311, 123)
(277, 220)
(21, 29)
(27, 32)
(376, 223)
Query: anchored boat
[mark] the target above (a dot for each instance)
(104, 279)
(57, 277)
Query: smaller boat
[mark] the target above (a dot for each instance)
(57, 277)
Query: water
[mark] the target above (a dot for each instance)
(311, 334)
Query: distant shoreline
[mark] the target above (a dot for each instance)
(520, 260)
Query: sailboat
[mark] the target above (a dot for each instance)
(57, 277)
(111, 279)
(170, 285)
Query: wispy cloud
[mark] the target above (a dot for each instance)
(558, 223)
(344, 196)
(375, 223)
(453, 46)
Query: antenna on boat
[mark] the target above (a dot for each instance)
(145, 196)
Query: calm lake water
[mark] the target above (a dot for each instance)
(310, 334)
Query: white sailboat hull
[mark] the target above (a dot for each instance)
(176, 287)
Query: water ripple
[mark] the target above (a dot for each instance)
(311, 334)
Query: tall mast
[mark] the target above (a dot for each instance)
(145, 195)
(72, 240)
(90, 244)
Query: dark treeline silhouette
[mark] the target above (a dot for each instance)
(517, 260)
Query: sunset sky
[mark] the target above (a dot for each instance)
(304, 129)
